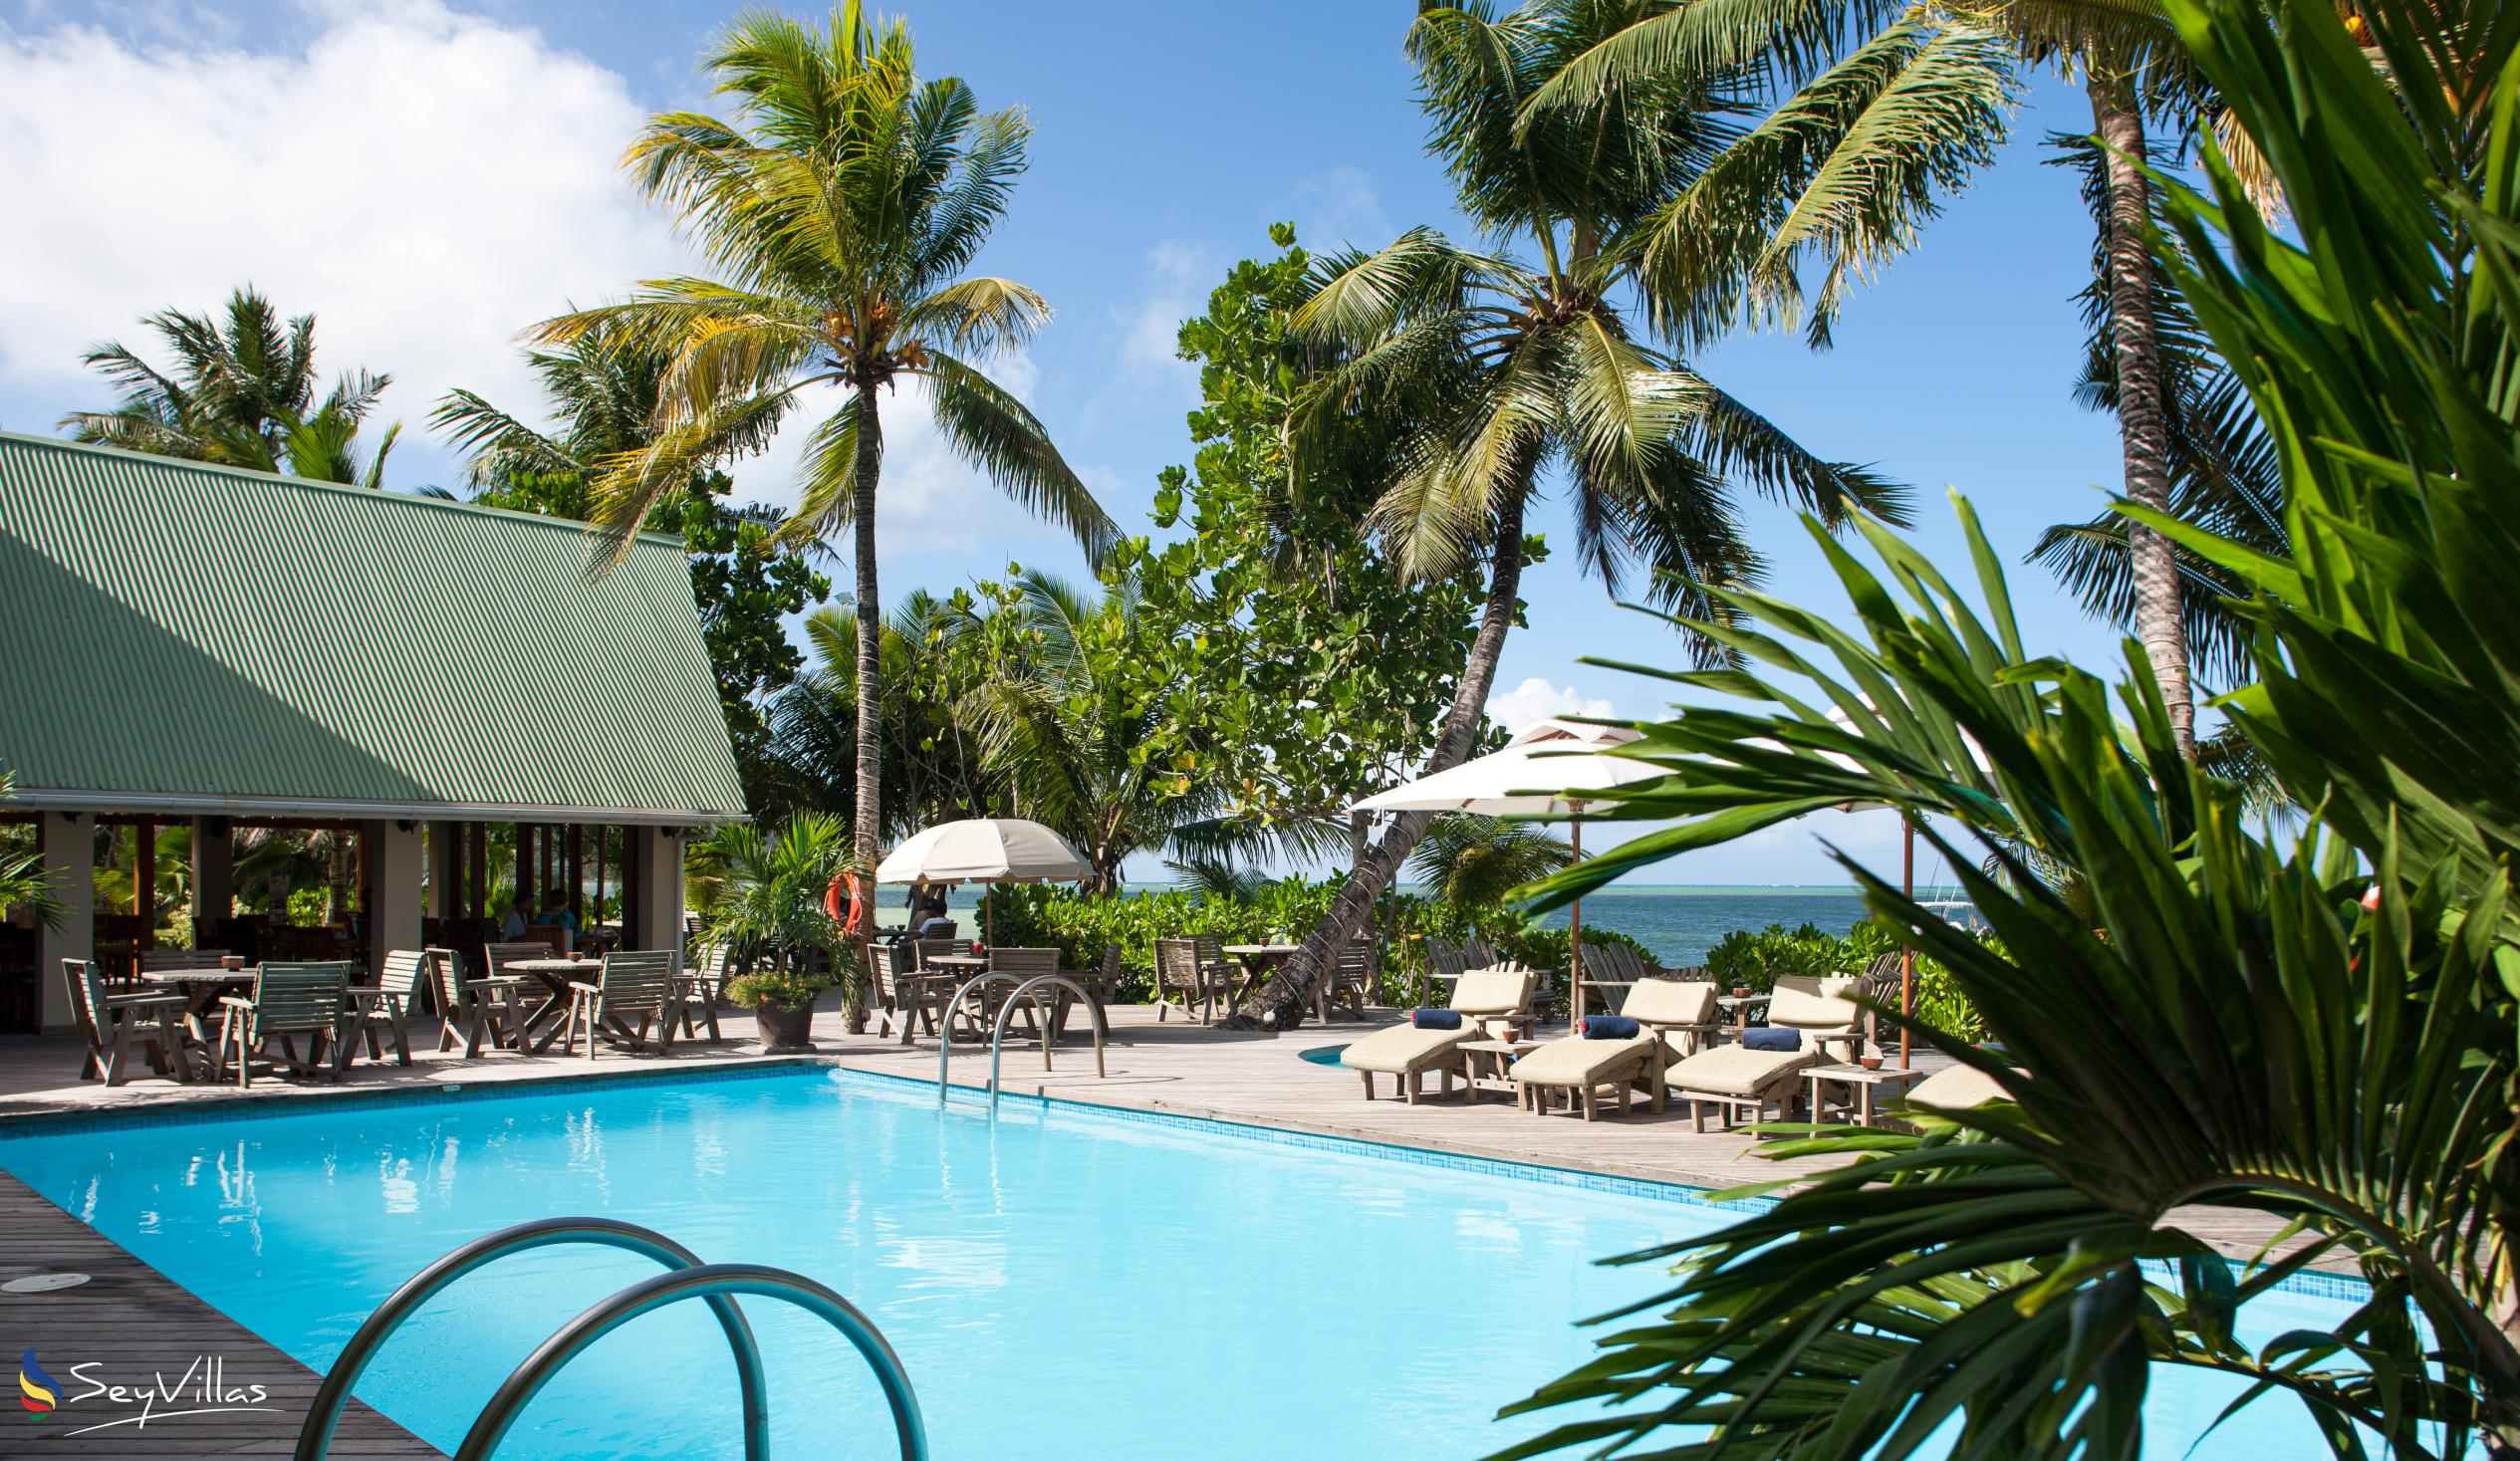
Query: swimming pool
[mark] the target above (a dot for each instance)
(1060, 1282)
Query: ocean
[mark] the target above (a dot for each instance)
(1681, 922)
(1677, 923)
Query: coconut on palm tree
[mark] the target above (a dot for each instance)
(240, 392)
(1542, 378)
(841, 207)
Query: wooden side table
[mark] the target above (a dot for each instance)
(1486, 1062)
(1863, 1089)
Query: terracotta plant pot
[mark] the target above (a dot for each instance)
(785, 1031)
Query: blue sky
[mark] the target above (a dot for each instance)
(431, 178)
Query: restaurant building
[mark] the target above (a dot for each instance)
(453, 692)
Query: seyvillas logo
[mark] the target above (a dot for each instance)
(36, 1391)
(203, 1389)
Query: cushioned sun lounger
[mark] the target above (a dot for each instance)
(1737, 1080)
(1955, 1089)
(1407, 1053)
(1586, 1070)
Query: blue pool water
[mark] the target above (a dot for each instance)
(1060, 1283)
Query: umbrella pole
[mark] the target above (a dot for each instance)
(1575, 926)
(1906, 953)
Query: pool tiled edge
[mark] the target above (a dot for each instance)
(241, 1107)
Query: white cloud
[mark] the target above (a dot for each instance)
(1339, 208)
(426, 183)
(1536, 699)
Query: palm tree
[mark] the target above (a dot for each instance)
(1473, 861)
(604, 389)
(1071, 742)
(841, 206)
(240, 392)
(1534, 370)
(1882, 111)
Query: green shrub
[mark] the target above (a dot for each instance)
(777, 987)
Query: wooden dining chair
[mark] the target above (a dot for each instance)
(290, 1000)
(476, 1012)
(385, 1006)
(112, 1025)
(637, 985)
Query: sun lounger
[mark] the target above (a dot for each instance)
(1586, 1070)
(1820, 1009)
(1955, 1089)
(1406, 1053)
(1738, 1080)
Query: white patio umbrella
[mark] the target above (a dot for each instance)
(1561, 754)
(984, 850)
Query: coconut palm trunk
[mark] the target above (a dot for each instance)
(2143, 428)
(866, 829)
(1280, 1004)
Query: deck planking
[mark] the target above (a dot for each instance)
(134, 1324)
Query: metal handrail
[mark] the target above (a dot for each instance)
(315, 1438)
(713, 1282)
(946, 1027)
(1006, 1012)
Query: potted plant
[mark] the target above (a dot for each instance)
(784, 1004)
(770, 912)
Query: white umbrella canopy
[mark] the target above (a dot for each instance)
(1533, 776)
(984, 850)
(1516, 782)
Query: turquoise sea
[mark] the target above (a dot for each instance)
(1679, 922)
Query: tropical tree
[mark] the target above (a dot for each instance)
(841, 206)
(1875, 113)
(934, 761)
(1506, 374)
(1473, 861)
(240, 392)
(2321, 1028)
(604, 387)
(1061, 719)
(768, 906)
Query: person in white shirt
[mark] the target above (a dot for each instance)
(514, 928)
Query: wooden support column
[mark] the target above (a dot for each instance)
(213, 875)
(575, 873)
(479, 886)
(651, 866)
(69, 843)
(445, 871)
(525, 867)
(145, 883)
(600, 834)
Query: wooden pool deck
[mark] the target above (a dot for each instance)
(132, 1320)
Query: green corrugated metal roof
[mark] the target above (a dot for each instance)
(196, 638)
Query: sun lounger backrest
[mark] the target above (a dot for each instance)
(1492, 991)
(1670, 1002)
(299, 998)
(1957, 1089)
(1806, 1003)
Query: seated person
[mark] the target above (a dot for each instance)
(514, 928)
(556, 914)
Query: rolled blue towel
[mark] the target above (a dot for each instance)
(1610, 1027)
(1437, 1019)
(1772, 1037)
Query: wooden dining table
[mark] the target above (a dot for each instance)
(545, 1022)
(1260, 962)
(202, 989)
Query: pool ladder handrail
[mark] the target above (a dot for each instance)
(997, 1035)
(712, 1281)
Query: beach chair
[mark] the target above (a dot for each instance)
(491, 1009)
(703, 987)
(114, 1023)
(385, 1006)
(639, 985)
(1673, 1019)
(1957, 1089)
(1738, 1080)
(1484, 998)
(1820, 1009)
(290, 1001)
(1351, 975)
(1682, 1011)
(1184, 979)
